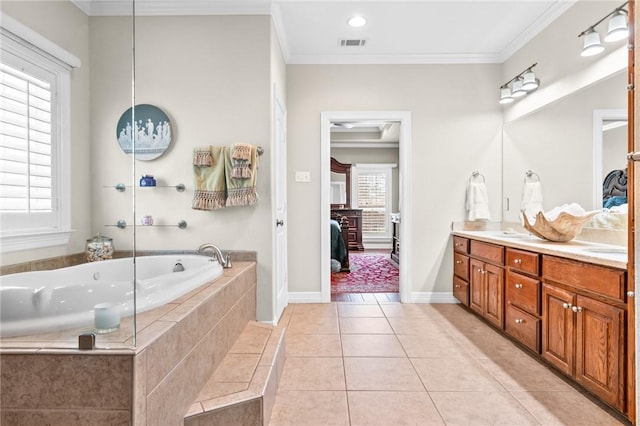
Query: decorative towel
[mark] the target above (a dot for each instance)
(531, 200)
(242, 191)
(210, 182)
(241, 160)
(477, 201)
(202, 156)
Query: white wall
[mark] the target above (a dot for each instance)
(64, 24)
(456, 130)
(212, 76)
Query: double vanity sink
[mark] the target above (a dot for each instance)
(565, 303)
(586, 251)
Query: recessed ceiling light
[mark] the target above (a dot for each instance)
(357, 21)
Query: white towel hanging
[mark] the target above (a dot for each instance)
(532, 198)
(477, 200)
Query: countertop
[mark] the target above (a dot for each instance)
(596, 253)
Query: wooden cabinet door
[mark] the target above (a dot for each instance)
(558, 328)
(600, 349)
(494, 295)
(476, 286)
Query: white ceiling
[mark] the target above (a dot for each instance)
(413, 31)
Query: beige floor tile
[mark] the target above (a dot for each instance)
(402, 310)
(488, 344)
(310, 408)
(431, 346)
(365, 326)
(416, 325)
(315, 310)
(357, 310)
(454, 375)
(312, 374)
(523, 373)
(376, 408)
(313, 325)
(565, 408)
(392, 374)
(314, 345)
(481, 408)
(372, 345)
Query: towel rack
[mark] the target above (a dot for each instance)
(476, 174)
(532, 176)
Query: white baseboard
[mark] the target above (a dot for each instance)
(433, 297)
(305, 297)
(370, 245)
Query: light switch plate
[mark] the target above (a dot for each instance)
(303, 177)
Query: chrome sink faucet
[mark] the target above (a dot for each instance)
(225, 261)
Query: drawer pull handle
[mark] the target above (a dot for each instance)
(518, 285)
(457, 285)
(576, 309)
(519, 321)
(566, 305)
(458, 262)
(517, 261)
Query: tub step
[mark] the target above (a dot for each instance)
(243, 388)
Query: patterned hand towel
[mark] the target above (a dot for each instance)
(241, 160)
(202, 156)
(242, 191)
(210, 183)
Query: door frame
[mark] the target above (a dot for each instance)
(404, 118)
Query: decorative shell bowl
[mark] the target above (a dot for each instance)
(565, 228)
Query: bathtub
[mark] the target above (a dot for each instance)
(61, 299)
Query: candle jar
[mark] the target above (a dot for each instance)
(106, 318)
(99, 248)
(147, 180)
(147, 220)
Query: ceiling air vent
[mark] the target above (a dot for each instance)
(352, 42)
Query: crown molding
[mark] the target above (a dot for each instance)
(550, 15)
(445, 58)
(173, 7)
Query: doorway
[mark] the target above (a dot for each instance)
(403, 120)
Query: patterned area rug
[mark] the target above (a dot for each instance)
(370, 273)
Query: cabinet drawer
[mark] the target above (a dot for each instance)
(598, 279)
(523, 327)
(461, 266)
(490, 252)
(461, 290)
(461, 244)
(523, 292)
(524, 261)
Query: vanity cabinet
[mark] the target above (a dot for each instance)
(486, 281)
(522, 297)
(461, 270)
(583, 325)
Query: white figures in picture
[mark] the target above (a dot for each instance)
(150, 136)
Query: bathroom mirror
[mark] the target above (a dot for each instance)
(558, 142)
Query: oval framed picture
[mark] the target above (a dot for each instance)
(147, 129)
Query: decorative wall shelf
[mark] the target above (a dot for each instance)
(123, 224)
(121, 187)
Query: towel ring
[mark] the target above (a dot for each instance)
(532, 176)
(475, 175)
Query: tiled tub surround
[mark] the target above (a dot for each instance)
(178, 347)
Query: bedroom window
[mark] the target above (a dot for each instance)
(34, 141)
(372, 190)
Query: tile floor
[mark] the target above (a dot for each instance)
(386, 363)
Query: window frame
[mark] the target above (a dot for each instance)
(19, 41)
(368, 168)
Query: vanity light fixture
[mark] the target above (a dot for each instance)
(357, 21)
(521, 85)
(617, 30)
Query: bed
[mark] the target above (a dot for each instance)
(339, 236)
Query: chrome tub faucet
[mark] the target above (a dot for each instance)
(225, 261)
